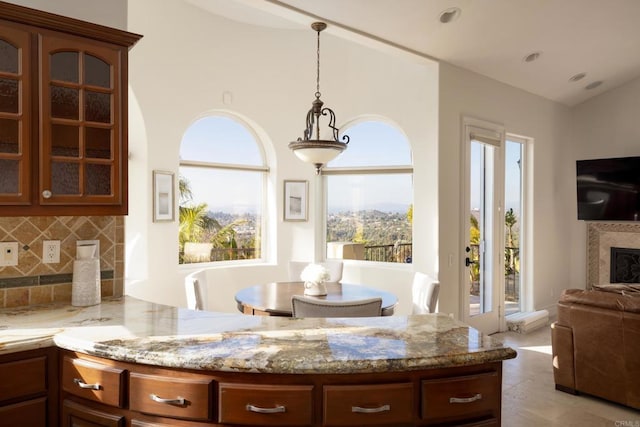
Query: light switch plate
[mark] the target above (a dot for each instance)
(8, 254)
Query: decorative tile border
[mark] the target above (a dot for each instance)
(600, 238)
(46, 279)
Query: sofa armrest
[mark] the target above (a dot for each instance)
(563, 362)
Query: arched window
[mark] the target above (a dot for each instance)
(370, 196)
(221, 183)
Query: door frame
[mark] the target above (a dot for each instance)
(494, 134)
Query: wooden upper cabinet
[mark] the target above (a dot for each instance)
(15, 115)
(80, 117)
(63, 115)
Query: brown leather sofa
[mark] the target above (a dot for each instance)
(596, 344)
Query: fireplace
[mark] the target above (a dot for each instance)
(601, 237)
(625, 265)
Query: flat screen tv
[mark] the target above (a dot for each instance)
(609, 189)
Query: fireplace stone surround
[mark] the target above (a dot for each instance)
(601, 237)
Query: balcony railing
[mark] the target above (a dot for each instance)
(400, 252)
(511, 273)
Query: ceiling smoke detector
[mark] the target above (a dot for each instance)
(577, 77)
(532, 56)
(450, 15)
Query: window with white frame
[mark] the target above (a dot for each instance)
(222, 179)
(369, 195)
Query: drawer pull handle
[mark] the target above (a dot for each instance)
(465, 399)
(82, 384)
(259, 410)
(177, 401)
(361, 410)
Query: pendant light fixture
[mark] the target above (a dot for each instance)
(310, 148)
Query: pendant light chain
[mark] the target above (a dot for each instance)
(318, 68)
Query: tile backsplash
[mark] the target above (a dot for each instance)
(33, 282)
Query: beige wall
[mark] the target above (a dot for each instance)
(112, 13)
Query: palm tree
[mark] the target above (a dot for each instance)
(194, 221)
(510, 220)
(474, 240)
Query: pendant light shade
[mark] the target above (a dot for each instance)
(310, 148)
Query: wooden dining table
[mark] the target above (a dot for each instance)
(274, 299)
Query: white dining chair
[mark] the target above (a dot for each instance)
(302, 306)
(295, 270)
(335, 268)
(195, 286)
(425, 292)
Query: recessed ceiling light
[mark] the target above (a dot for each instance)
(577, 77)
(593, 85)
(532, 56)
(450, 15)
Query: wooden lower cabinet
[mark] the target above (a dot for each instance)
(466, 397)
(28, 413)
(29, 388)
(155, 397)
(265, 405)
(372, 404)
(78, 415)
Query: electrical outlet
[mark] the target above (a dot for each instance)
(51, 251)
(8, 254)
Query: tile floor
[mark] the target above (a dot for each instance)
(529, 398)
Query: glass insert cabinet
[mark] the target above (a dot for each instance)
(63, 112)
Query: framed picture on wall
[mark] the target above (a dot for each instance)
(163, 197)
(296, 203)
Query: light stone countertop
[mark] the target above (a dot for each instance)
(131, 330)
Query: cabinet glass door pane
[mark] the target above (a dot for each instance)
(8, 57)
(65, 178)
(64, 102)
(9, 93)
(97, 107)
(9, 136)
(96, 72)
(10, 172)
(64, 67)
(65, 141)
(97, 179)
(97, 143)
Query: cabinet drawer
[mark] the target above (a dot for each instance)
(32, 413)
(372, 404)
(466, 397)
(75, 414)
(185, 397)
(23, 378)
(94, 381)
(265, 405)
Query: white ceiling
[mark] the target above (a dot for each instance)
(491, 37)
